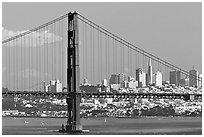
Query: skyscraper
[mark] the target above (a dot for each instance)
(184, 82)
(121, 78)
(193, 78)
(175, 77)
(140, 77)
(54, 86)
(113, 79)
(200, 82)
(149, 73)
(158, 79)
(58, 86)
(104, 83)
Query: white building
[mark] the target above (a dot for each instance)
(104, 82)
(58, 85)
(132, 83)
(115, 86)
(158, 79)
(54, 86)
(141, 78)
(199, 82)
(52, 82)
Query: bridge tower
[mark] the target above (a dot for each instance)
(73, 78)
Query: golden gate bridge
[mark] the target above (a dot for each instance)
(72, 48)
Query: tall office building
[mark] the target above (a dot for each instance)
(149, 73)
(104, 83)
(58, 86)
(54, 86)
(200, 82)
(52, 82)
(113, 79)
(184, 82)
(121, 78)
(153, 78)
(158, 78)
(44, 86)
(193, 78)
(141, 77)
(175, 77)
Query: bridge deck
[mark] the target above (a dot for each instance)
(149, 95)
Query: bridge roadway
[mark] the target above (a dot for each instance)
(184, 96)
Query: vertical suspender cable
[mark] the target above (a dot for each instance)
(32, 44)
(9, 66)
(131, 62)
(21, 74)
(44, 57)
(93, 57)
(121, 53)
(143, 61)
(138, 59)
(29, 62)
(101, 49)
(106, 57)
(128, 54)
(47, 54)
(24, 62)
(17, 74)
(165, 73)
(91, 53)
(86, 47)
(145, 64)
(98, 58)
(54, 42)
(63, 63)
(14, 65)
(6, 46)
(37, 65)
(60, 46)
(123, 57)
(113, 56)
(116, 49)
(83, 51)
(52, 51)
(33, 49)
(39, 49)
(37, 61)
(107, 50)
(135, 63)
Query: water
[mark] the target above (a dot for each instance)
(110, 126)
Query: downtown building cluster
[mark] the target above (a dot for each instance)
(123, 83)
(142, 79)
(53, 86)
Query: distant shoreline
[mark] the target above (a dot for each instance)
(110, 117)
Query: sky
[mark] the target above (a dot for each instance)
(170, 31)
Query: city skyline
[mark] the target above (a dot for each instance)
(135, 35)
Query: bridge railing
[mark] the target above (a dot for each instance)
(184, 96)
